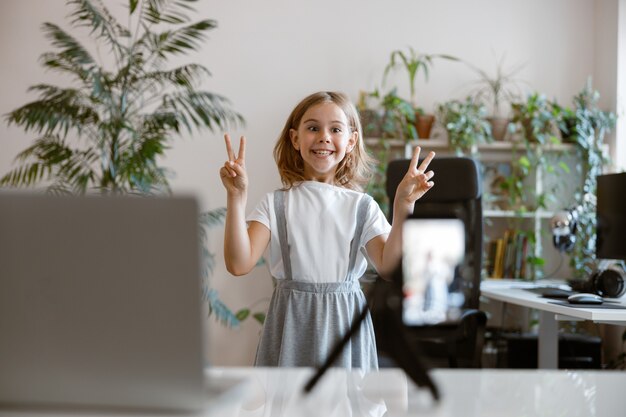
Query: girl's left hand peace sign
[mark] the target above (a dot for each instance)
(416, 182)
(233, 173)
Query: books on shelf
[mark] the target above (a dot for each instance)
(506, 255)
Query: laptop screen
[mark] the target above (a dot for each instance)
(100, 301)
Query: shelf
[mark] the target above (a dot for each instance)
(442, 144)
(539, 214)
(496, 159)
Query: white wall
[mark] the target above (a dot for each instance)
(266, 55)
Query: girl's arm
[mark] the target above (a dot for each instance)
(385, 251)
(243, 246)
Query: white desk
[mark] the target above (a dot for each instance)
(468, 393)
(550, 314)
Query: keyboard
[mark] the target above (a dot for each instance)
(551, 292)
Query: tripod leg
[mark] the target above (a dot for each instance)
(395, 341)
(406, 358)
(356, 325)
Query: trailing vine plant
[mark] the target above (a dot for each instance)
(589, 130)
(536, 122)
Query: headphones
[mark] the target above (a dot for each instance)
(563, 225)
(608, 279)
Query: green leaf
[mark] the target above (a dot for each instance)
(186, 76)
(56, 112)
(222, 313)
(537, 261)
(564, 167)
(98, 19)
(524, 162)
(181, 40)
(242, 314)
(201, 109)
(71, 49)
(132, 5)
(213, 217)
(260, 317)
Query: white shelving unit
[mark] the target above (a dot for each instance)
(497, 219)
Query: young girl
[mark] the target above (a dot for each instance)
(316, 228)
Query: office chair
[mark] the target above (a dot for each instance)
(457, 193)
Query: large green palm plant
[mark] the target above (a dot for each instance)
(105, 132)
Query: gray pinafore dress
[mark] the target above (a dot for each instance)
(306, 319)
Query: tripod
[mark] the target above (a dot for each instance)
(385, 303)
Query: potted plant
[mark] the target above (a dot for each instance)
(536, 120)
(466, 124)
(395, 118)
(496, 91)
(370, 116)
(414, 62)
(105, 132)
(395, 121)
(566, 122)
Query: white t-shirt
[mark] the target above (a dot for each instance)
(321, 220)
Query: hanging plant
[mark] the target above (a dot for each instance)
(591, 126)
(535, 122)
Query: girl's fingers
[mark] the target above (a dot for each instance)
(226, 172)
(229, 148)
(242, 150)
(237, 168)
(415, 159)
(426, 161)
(233, 169)
(229, 168)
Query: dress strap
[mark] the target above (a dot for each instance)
(279, 211)
(361, 214)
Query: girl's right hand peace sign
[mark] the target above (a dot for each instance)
(233, 173)
(416, 182)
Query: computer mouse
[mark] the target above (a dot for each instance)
(585, 298)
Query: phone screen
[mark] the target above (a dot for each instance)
(432, 254)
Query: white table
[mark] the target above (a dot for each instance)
(550, 314)
(469, 393)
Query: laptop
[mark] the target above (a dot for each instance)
(100, 303)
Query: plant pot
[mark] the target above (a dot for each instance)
(499, 126)
(424, 124)
(568, 132)
(371, 123)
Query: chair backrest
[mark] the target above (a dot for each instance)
(457, 193)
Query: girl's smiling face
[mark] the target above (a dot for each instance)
(323, 139)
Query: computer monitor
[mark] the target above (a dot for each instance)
(611, 216)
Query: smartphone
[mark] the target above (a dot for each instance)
(433, 250)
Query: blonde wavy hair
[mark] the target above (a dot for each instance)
(353, 172)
